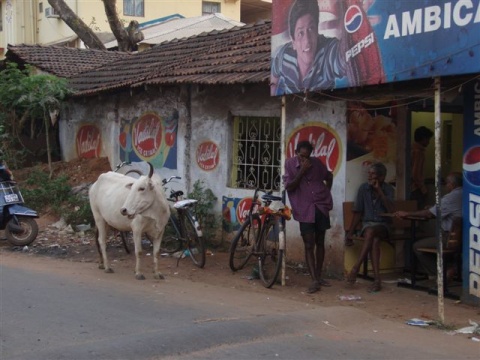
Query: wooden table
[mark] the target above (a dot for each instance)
(409, 249)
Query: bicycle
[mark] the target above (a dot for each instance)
(183, 232)
(132, 172)
(263, 238)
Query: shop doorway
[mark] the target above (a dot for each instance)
(451, 146)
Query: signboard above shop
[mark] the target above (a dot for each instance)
(331, 44)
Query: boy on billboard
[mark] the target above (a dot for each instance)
(311, 61)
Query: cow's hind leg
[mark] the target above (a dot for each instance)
(156, 250)
(137, 240)
(102, 247)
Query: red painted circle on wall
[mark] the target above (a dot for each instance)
(88, 142)
(208, 155)
(147, 135)
(325, 141)
(243, 208)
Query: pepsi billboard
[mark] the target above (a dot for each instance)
(328, 44)
(471, 192)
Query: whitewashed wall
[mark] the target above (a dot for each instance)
(209, 118)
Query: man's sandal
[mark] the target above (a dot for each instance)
(324, 282)
(314, 287)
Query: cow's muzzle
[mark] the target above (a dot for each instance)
(124, 212)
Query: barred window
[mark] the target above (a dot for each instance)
(133, 7)
(256, 153)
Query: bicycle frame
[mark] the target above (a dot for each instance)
(253, 238)
(186, 219)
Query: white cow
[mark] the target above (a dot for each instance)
(128, 204)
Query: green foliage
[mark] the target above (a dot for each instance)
(42, 193)
(41, 94)
(204, 210)
(26, 99)
(79, 214)
(11, 88)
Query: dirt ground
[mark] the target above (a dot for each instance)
(393, 303)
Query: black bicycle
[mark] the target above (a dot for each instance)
(262, 235)
(183, 233)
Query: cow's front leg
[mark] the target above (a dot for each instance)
(102, 247)
(156, 250)
(137, 240)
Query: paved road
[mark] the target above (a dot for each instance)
(54, 309)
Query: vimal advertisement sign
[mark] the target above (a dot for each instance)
(471, 192)
(328, 44)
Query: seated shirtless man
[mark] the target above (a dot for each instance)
(373, 198)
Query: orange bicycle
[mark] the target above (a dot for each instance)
(262, 235)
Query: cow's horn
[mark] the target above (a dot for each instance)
(151, 170)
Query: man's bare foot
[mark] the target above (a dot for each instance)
(352, 277)
(375, 287)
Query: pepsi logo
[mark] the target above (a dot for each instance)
(353, 19)
(471, 165)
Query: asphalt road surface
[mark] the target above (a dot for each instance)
(56, 309)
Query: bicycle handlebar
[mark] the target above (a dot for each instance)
(165, 181)
(122, 164)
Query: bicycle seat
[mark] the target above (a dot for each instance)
(176, 194)
(269, 197)
(184, 203)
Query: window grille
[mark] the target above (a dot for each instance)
(133, 7)
(209, 7)
(256, 153)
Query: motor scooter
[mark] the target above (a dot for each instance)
(17, 220)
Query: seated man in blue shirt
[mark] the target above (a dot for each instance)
(373, 198)
(451, 207)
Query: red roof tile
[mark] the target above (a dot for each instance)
(238, 55)
(60, 60)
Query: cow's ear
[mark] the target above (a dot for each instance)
(150, 185)
(129, 185)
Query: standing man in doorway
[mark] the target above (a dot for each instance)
(308, 183)
(419, 191)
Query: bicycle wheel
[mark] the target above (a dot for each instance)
(270, 257)
(134, 173)
(244, 242)
(195, 243)
(172, 241)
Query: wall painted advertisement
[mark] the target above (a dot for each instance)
(471, 193)
(325, 140)
(88, 141)
(371, 137)
(151, 138)
(326, 44)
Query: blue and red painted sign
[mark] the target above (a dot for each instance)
(471, 192)
(151, 138)
(403, 40)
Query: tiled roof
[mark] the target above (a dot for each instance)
(238, 55)
(60, 60)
